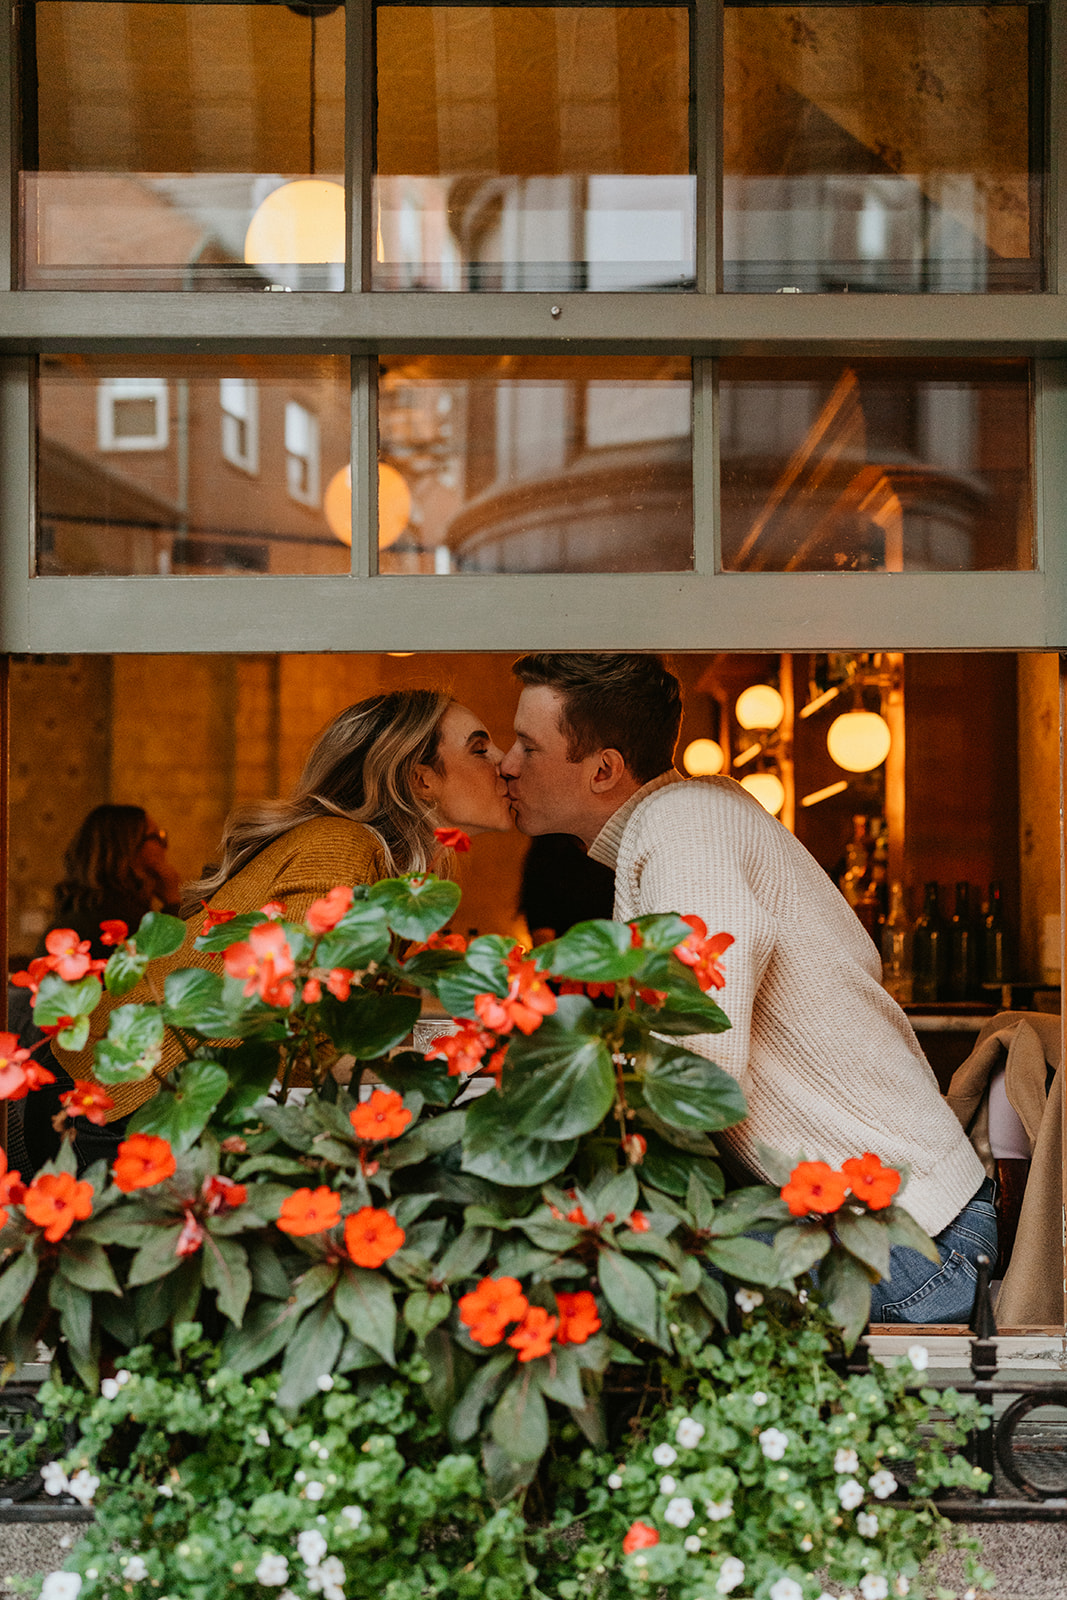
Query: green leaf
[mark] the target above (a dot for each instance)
(156, 1258)
(57, 999)
(368, 1024)
(493, 1149)
(594, 952)
(590, 1418)
(630, 1292)
(666, 1167)
(560, 1081)
(565, 1384)
(483, 970)
(159, 935)
(423, 1311)
(464, 1255)
(865, 1237)
(223, 934)
(123, 971)
(17, 1280)
(519, 1423)
(700, 1196)
(85, 1263)
(712, 1296)
(687, 1011)
(365, 1302)
(749, 1260)
(689, 1091)
(408, 1070)
(619, 1196)
(482, 1388)
(845, 1289)
(416, 906)
(75, 1307)
(226, 1271)
(251, 1069)
(310, 1287)
(798, 1248)
(194, 999)
(744, 1209)
(181, 1114)
(360, 938)
(132, 1046)
(903, 1229)
(265, 1331)
(504, 1478)
(312, 1353)
(661, 931)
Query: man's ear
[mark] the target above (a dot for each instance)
(609, 772)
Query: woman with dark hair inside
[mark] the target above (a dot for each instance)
(379, 780)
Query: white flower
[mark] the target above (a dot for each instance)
(311, 1547)
(324, 1382)
(273, 1570)
(970, 1594)
(748, 1299)
(83, 1486)
(122, 1377)
(719, 1510)
(300, 1477)
(333, 1570)
(667, 1484)
(353, 1515)
(786, 1589)
(919, 1356)
(807, 1543)
(134, 1569)
(332, 1591)
(314, 1490)
(882, 1484)
(846, 1461)
(614, 1481)
(901, 1585)
(692, 1543)
(109, 1389)
(850, 1494)
(772, 1441)
(165, 1490)
(55, 1479)
(802, 1296)
(262, 1438)
(873, 1587)
(665, 1455)
(759, 1398)
(61, 1586)
(689, 1433)
(91, 1572)
(867, 1524)
(731, 1573)
(679, 1512)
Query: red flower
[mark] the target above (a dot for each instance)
(813, 1186)
(870, 1181)
(31, 978)
(452, 839)
(191, 1237)
(273, 909)
(372, 1236)
(640, 1537)
(383, 1116)
(143, 1160)
(114, 931)
(528, 1000)
(578, 1216)
(463, 1050)
(311, 993)
(88, 1100)
(222, 1195)
(487, 1310)
(264, 962)
(635, 1148)
(213, 919)
(533, 1336)
(12, 1188)
(339, 982)
(438, 941)
(55, 1200)
(71, 954)
(702, 953)
(310, 1211)
(326, 913)
(19, 1073)
(578, 1317)
(639, 1222)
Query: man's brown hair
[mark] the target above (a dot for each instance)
(625, 702)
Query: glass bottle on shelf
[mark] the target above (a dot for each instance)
(857, 856)
(897, 973)
(930, 949)
(997, 957)
(964, 968)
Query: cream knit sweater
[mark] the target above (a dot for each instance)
(828, 1062)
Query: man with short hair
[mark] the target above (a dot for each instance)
(828, 1062)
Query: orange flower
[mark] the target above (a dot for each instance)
(870, 1181)
(339, 982)
(309, 1211)
(264, 961)
(487, 1310)
(463, 1050)
(326, 913)
(143, 1160)
(31, 978)
(438, 941)
(114, 931)
(533, 1336)
(274, 909)
(191, 1237)
(213, 919)
(311, 993)
(70, 954)
(578, 1216)
(383, 1116)
(372, 1236)
(452, 839)
(528, 1000)
(701, 953)
(222, 1195)
(635, 1148)
(88, 1100)
(12, 1188)
(813, 1186)
(639, 1222)
(578, 1317)
(640, 1537)
(19, 1073)
(55, 1200)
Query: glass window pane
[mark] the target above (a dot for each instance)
(182, 146)
(524, 147)
(190, 464)
(883, 147)
(535, 464)
(875, 466)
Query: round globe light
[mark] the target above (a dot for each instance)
(300, 223)
(703, 758)
(858, 740)
(759, 706)
(767, 788)
(394, 505)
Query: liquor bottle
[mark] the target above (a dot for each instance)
(856, 859)
(897, 973)
(930, 950)
(997, 959)
(964, 964)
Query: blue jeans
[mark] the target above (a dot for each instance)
(917, 1291)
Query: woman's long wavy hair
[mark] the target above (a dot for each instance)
(101, 865)
(362, 768)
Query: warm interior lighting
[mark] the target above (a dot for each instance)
(703, 758)
(759, 706)
(858, 740)
(820, 700)
(747, 754)
(767, 788)
(394, 505)
(824, 794)
(299, 224)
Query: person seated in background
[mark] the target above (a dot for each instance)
(561, 885)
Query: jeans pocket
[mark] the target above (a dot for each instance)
(947, 1295)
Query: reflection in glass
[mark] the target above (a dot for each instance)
(525, 147)
(538, 464)
(164, 464)
(882, 147)
(875, 466)
(160, 138)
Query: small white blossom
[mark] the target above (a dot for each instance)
(353, 1515)
(165, 1490)
(691, 1543)
(772, 1441)
(802, 1296)
(122, 1377)
(901, 1585)
(826, 1595)
(262, 1438)
(719, 1510)
(333, 1570)
(61, 1586)
(748, 1299)
(311, 1547)
(287, 1594)
(970, 1594)
(641, 1560)
(55, 1479)
(667, 1484)
(867, 1524)
(679, 1512)
(850, 1494)
(786, 1589)
(759, 1398)
(134, 1569)
(846, 1461)
(614, 1481)
(300, 1477)
(109, 1389)
(919, 1356)
(314, 1490)
(91, 1572)
(689, 1433)
(66, 1541)
(324, 1382)
(873, 1587)
(882, 1484)
(272, 1570)
(83, 1486)
(731, 1573)
(807, 1543)
(665, 1455)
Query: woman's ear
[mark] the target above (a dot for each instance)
(422, 784)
